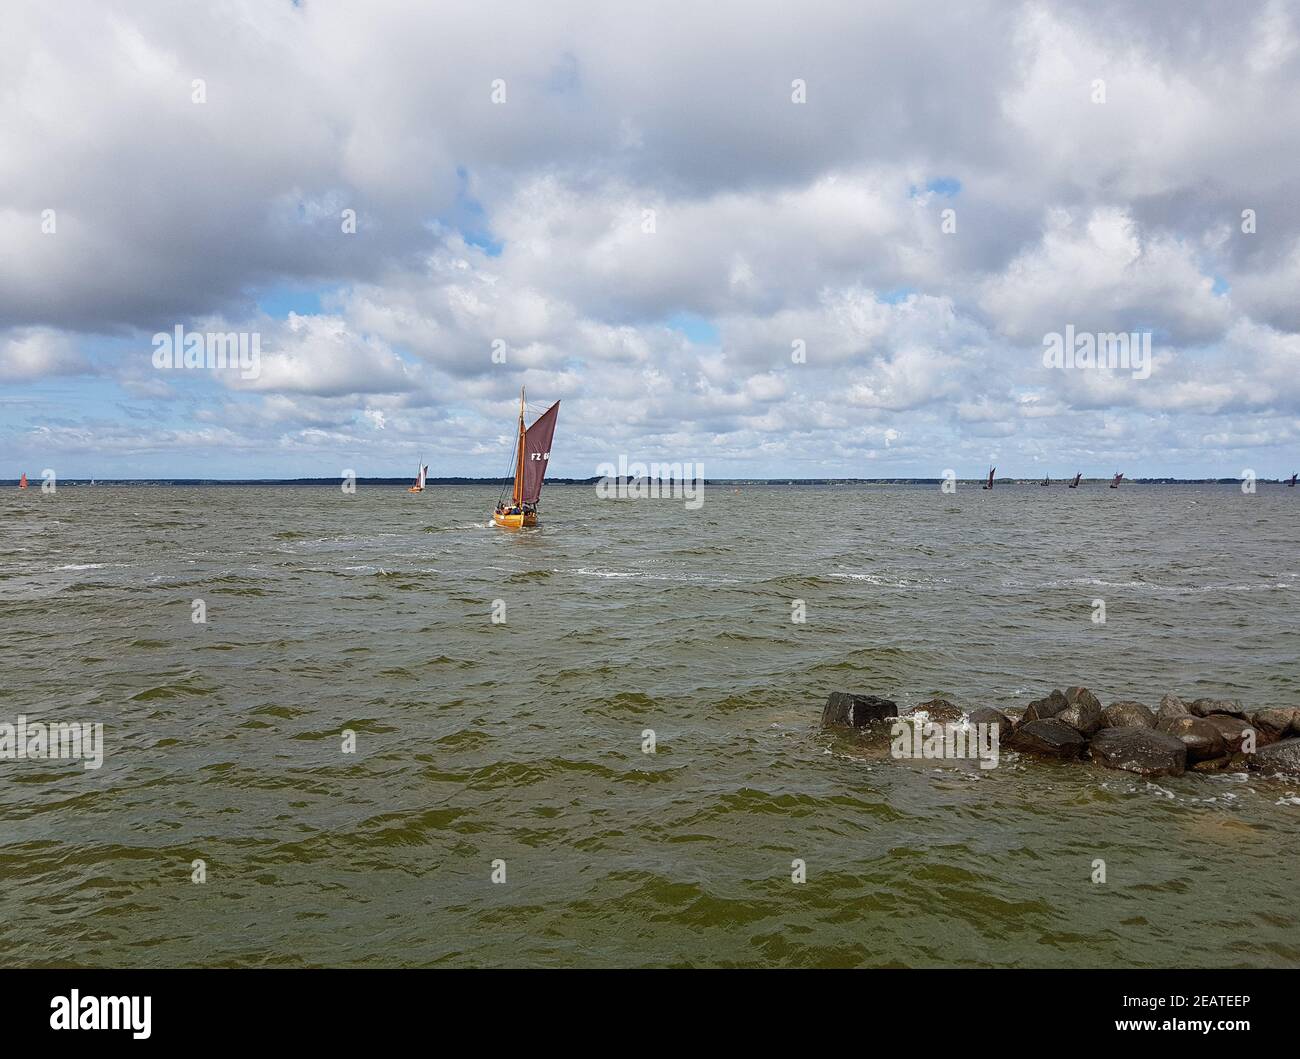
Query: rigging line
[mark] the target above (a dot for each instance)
(510, 479)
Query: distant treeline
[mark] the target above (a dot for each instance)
(592, 481)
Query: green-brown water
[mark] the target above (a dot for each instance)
(521, 741)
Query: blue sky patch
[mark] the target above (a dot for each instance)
(694, 327)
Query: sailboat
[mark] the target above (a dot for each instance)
(532, 454)
(1291, 481)
(989, 483)
(1045, 481)
(1075, 484)
(421, 473)
(22, 482)
(1119, 477)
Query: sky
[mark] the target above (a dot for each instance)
(774, 239)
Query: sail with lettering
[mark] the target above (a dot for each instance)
(22, 482)
(537, 453)
(532, 457)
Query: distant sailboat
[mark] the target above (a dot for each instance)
(1045, 481)
(1119, 477)
(22, 482)
(421, 473)
(989, 483)
(1291, 481)
(532, 454)
(1075, 484)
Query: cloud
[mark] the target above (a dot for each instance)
(650, 228)
(322, 355)
(36, 352)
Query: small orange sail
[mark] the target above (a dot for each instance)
(421, 474)
(22, 482)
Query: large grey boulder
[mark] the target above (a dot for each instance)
(1042, 709)
(941, 711)
(1280, 757)
(1233, 730)
(846, 710)
(1277, 721)
(1073, 695)
(988, 715)
(1202, 739)
(1171, 706)
(1205, 707)
(1049, 738)
(1126, 714)
(1139, 749)
(1081, 715)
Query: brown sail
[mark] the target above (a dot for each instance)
(537, 454)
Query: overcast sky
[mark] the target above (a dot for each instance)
(778, 226)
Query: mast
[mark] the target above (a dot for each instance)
(519, 458)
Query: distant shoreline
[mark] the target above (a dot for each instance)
(406, 481)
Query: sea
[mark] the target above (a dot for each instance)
(371, 730)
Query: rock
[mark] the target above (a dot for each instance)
(988, 715)
(1126, 714)
(941, 711)
(1233, 730)
(1202, 739)
(1140, 749)
(1049, 737)
(1171, 706)
(1205, 707)
(1042, 709)
(856, 711)
(1073, 695)
(1214, 764)
(1280, 757)
(1275, 721)
(1083, 716)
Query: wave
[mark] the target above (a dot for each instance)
(1175, 590)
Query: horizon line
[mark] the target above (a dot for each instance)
(752, 480)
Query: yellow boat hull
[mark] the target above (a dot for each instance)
(515, 521)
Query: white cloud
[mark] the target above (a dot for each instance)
(522, 225)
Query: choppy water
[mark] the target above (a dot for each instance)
(522, 741)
